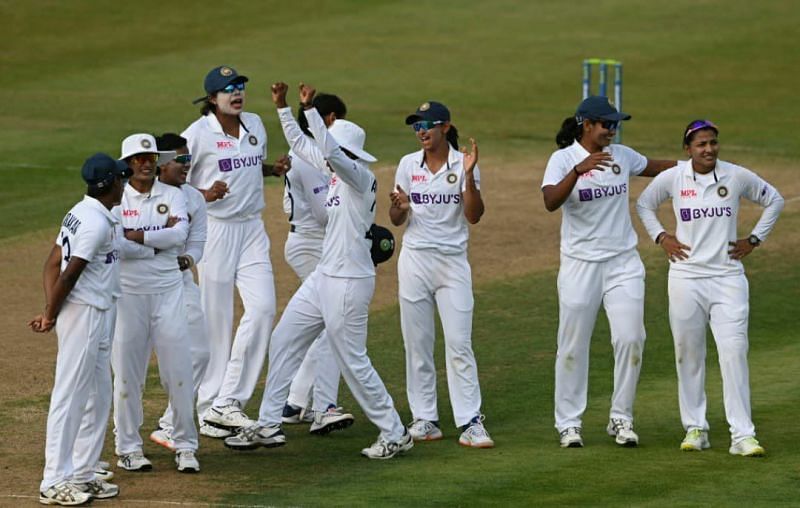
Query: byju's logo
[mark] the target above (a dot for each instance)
(585, 194)
(225, 165)
(420, 198)
(602, 192)
(690, 214)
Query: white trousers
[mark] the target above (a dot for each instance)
(722, 302)
(198, 338)
(318, 372)
(428, 278)
(81, 396)
(237, 253)
(145, 321)
(340, 306)
(617, 283)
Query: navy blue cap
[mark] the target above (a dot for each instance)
(431, 110)
(220, 77)
(598, 107)
(100, 170)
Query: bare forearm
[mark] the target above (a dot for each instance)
(473, 202)
(556, 195)
(655, 167)
(398, 216)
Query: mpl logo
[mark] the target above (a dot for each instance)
(225, 145)
(688, 193)
(690, 214)
(419, 178)
(130, 213)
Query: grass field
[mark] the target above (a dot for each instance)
(77, 77)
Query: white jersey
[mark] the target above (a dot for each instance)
(351, 208)
(436, 218)
(198, 220)
(149, 213)
(596, 221)
(706, 210)
(88, 232)
(237, 162)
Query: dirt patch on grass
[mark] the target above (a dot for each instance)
(515, 237)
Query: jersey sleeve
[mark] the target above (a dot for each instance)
(555, 171)
(302, 145)
(402, 176)
(658, 191)
(631, 159)
(352, 172)
(759, 191)
(196, 239)
(88, 240)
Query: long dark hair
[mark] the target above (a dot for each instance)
(452, 136)
(570, 132)
(326, 104)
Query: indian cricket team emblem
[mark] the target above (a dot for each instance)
(146, 143)
(451, 178)
(615, 169)
(722, 191)
(425, 107)
(162, 209)
(226, 71)
(252, 139)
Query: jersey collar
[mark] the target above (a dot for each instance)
(688, 171)
(97, 205)
(453, 158)
(215, 126)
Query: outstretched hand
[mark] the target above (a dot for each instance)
(471, 157)
(279, 90)
(306, 95)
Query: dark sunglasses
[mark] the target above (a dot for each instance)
(700, 124)
(425, 125)
(609, 125)
(185, 158)
(233, 87)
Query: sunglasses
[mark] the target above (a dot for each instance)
(609, 125)
(141, 158)
(185, 158)
(699, 124)
(233, 87)
(425, 125)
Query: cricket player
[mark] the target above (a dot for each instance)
(229, 149)
(305, 195)
(444, 189)
(335, 297)
(174, 173)
(707, 284)
(588, 178)
(151, 312)
(80, 280)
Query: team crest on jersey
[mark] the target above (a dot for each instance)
(722, 191)
(252, 139)
(226, 71)
(451, 178)
(146, 143)
(615, 169)
(162, 209)
(425, 107)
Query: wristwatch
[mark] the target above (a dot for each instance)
(753, 240)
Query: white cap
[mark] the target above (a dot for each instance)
(144, 143)
(351, 137)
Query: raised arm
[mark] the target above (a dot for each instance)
(473, 203)
(300, 144)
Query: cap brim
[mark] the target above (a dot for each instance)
(361, 154)
(616, 117)
(413, 118)
(124, 170)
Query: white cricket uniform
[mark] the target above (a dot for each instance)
(433, 270)
(84, 327)
(237, 253)
(304, 199)
(336, 296)
(151, 313)
(709, 287)
(198, 336)
(599, 264)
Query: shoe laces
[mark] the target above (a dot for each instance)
(422, 426)
(575, 431)
(694, 434)
(64, 491)
(476, 427)
(619, 424)
(249, 433)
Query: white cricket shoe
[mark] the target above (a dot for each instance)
(383, 449)
(135, 461)
(229, 417)
(254, 436)
(98, 489)
(102, 464)
(187, 462)
(424, 430)
(747, 447)
(571, 438)
(293, 415)
(475, 435)
(622, 431)
(696, 440)
(326, 422)
(103, 474)
(64, 494)
(163, 437)
(210, 431)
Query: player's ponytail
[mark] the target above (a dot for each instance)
(570, 131)
(452, 136)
